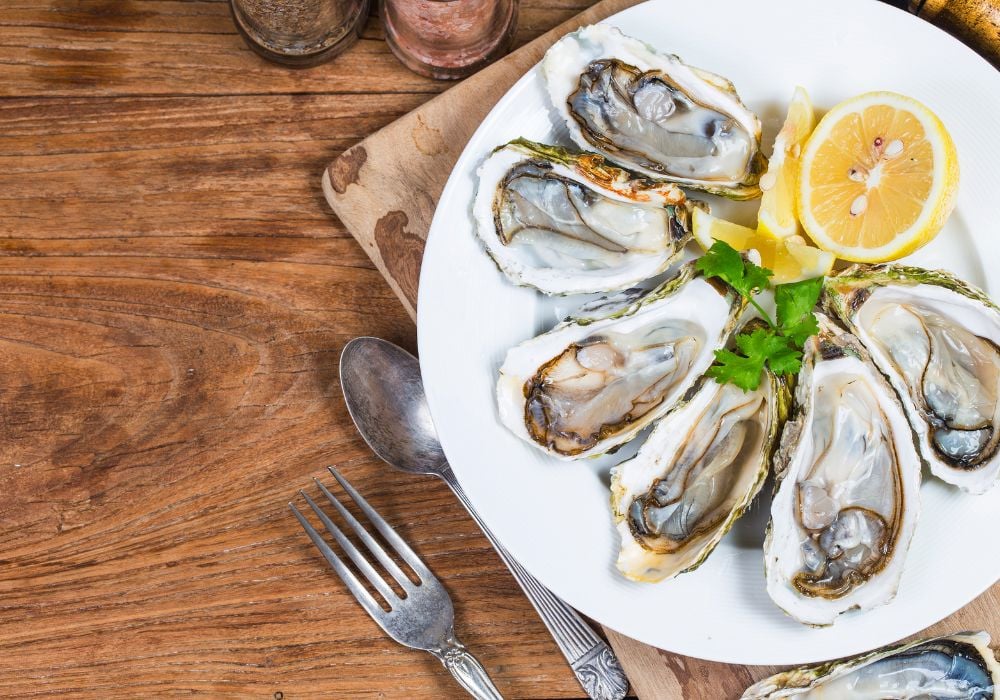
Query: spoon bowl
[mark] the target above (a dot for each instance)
(385, 397)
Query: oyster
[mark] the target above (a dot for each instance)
(567, 222)
(960, 666)
(694, 476)
(599, 377)
(847, 499)
(936, 338)
(653, 113)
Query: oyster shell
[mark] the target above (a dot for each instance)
(937, 339)
(694, 476)
(566, 222)
(847, 499)
(599, 377)
(654, 113)
(960, 666)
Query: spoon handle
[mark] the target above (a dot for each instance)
(590, 657)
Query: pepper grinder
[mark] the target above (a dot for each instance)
(299, 32)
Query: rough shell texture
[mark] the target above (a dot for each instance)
(653, 113)
(697, 472)
(657, 343)
(567, 222)
(811, 681)
(848, 479)
(863, 293)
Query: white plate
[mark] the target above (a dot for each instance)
(554, 516)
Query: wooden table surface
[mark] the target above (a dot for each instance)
(174, 296)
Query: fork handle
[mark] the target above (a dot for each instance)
(593, 662)
(466, 669)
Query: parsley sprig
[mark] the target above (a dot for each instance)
(778, 345)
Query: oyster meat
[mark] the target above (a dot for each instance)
(959, 666)
(653, 113)
(599, 377)
(847, 499)
(694, 476)
(937, 339)
(566, 222)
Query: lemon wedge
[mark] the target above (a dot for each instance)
(878, 179)
(790, 259)
(777, 214)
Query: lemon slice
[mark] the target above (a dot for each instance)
(790, 259)
(878, 179)
(777, 214)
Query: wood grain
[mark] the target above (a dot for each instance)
(385, 189)
(174, 296)
(173, 300)
(177, 47)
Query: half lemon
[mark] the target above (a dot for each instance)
(879, 177)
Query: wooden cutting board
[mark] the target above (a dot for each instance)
(385, 190)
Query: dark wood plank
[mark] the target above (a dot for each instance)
(177, 168)
(174, 294)
(159, 408)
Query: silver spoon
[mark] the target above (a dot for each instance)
(385, 397)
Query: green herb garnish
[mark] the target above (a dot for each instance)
(779, 346)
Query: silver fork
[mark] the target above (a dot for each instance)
(424, 617)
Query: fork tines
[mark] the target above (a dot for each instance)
(357, 556)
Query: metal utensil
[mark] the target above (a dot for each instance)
(385, 397)
(424, 617)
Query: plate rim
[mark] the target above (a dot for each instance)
(452, 183)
